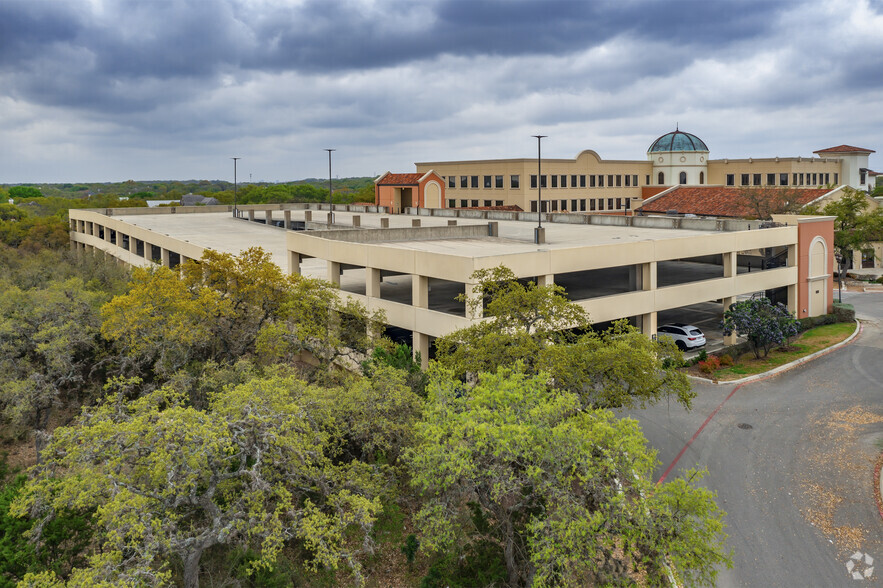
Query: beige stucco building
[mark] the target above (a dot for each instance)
(591, 184)
(412, 266)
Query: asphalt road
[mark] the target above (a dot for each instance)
(791, 459)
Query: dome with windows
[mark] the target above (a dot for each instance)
(678, 140)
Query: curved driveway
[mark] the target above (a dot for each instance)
(791, 459)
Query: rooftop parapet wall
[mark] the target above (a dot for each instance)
(404, 234)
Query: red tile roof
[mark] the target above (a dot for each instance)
(400, 180)
(719, 200)
(845, 149)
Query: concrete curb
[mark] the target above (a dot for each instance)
(878, 484)
(787, 366)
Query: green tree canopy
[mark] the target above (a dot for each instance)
(270, 460)
(564, 490)
(540, 327)
(25, 192)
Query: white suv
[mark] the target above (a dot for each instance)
(685, 336)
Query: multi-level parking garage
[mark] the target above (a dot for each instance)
(413, 266)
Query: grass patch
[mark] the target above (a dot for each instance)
(807, 343)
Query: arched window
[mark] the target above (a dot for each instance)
(701, 177)
(661, 178)
(683, 177)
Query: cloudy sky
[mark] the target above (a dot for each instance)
(109, 90)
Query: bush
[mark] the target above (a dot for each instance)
(710, 365)
(726, 360)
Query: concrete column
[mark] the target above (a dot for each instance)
(473, 293)
(384, 223)
(133, 244)
(164, 256)
(308, 216)
(357, 220)
(251, 215)
(286, 223)
(856, 260)
(648, 279)
(729, 339)
(730, 269)
(419, 291)
(415, 222)
(648, 323)
(269, 216)
(294, 263)
(329, 220)
(547, 280)
(372, 282)
(792, 299)
(334, 272)
(792, 255)
(420, 344)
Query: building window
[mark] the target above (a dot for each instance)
(660, 179)
(564, 205)
(618, 203)
(628, 204)
(600, 181)
(582, 181)
(618, 181)
(498, 181)
(600, 204)
(862, 176)
(513, 182)
(543, 183)
(573, 206)
(635, 180)
(452, 182)
(794, 179)
(731, 179)
(591, 181)
(701, 177)
(554, 204)
(755, 179)
(836, 178)
(783, 179)
(592, 204)
(487, 181)
(827, 178)
(647, 180)
(745, 178)
(499, 203)
(609, 181)
(452, 204)
(464, 204)
(474, 181)
(563, 181)
(771, 179)
(815, 180)
(582, 205)
(610, 204)
(554, 181)
(628, 180)
(464, 181)
(573, 181)
(533, 181)
(799, 179)
(533, 205)
(682, 178)
(475, 204)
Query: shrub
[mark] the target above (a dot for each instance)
(710, 365)
(726, 360)
(703, 355)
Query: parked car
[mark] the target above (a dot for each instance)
(685, 336)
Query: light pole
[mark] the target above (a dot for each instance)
(235, 212)
(330, 199)
(840, 259)
(539, 234)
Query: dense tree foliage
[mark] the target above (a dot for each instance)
(540, 327)
(764, 324)
(24, 192)
(270, 460)
(565, 491)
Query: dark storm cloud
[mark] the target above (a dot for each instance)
(133, 55)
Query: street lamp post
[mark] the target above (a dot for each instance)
(235, 211)
(839, 258)
(539, 233)
(330, 199)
